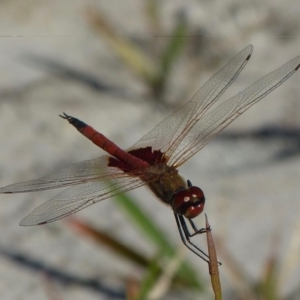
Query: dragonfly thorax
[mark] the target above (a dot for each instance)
(189, 202)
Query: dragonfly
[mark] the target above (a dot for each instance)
(154, 160)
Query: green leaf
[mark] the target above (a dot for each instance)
(142, 221)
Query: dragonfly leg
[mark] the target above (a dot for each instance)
(196, 230)
(185, 235)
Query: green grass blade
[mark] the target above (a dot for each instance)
(142, 221)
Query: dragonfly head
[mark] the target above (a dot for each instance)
(189, 202)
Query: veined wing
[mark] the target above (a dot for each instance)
(94, 181)
(78, 197)
(169, 134)
(206, 128)
(82, 172)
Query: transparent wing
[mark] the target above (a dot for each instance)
(168, 135)
(192, 126)
(94, 181)
(89, 170)
(79, 197)
(206, 128)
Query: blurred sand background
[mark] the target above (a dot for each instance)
(251, 185)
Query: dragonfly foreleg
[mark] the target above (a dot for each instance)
(185, 237)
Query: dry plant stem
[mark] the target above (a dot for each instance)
(213, 263)
(109, 241)
(169, 272)
(133, 56)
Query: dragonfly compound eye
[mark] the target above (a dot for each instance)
(189, 202)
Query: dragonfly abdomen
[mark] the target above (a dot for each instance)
(107, 145)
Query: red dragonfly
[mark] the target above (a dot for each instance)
(154, 159)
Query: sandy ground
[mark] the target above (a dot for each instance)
(252, 189)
